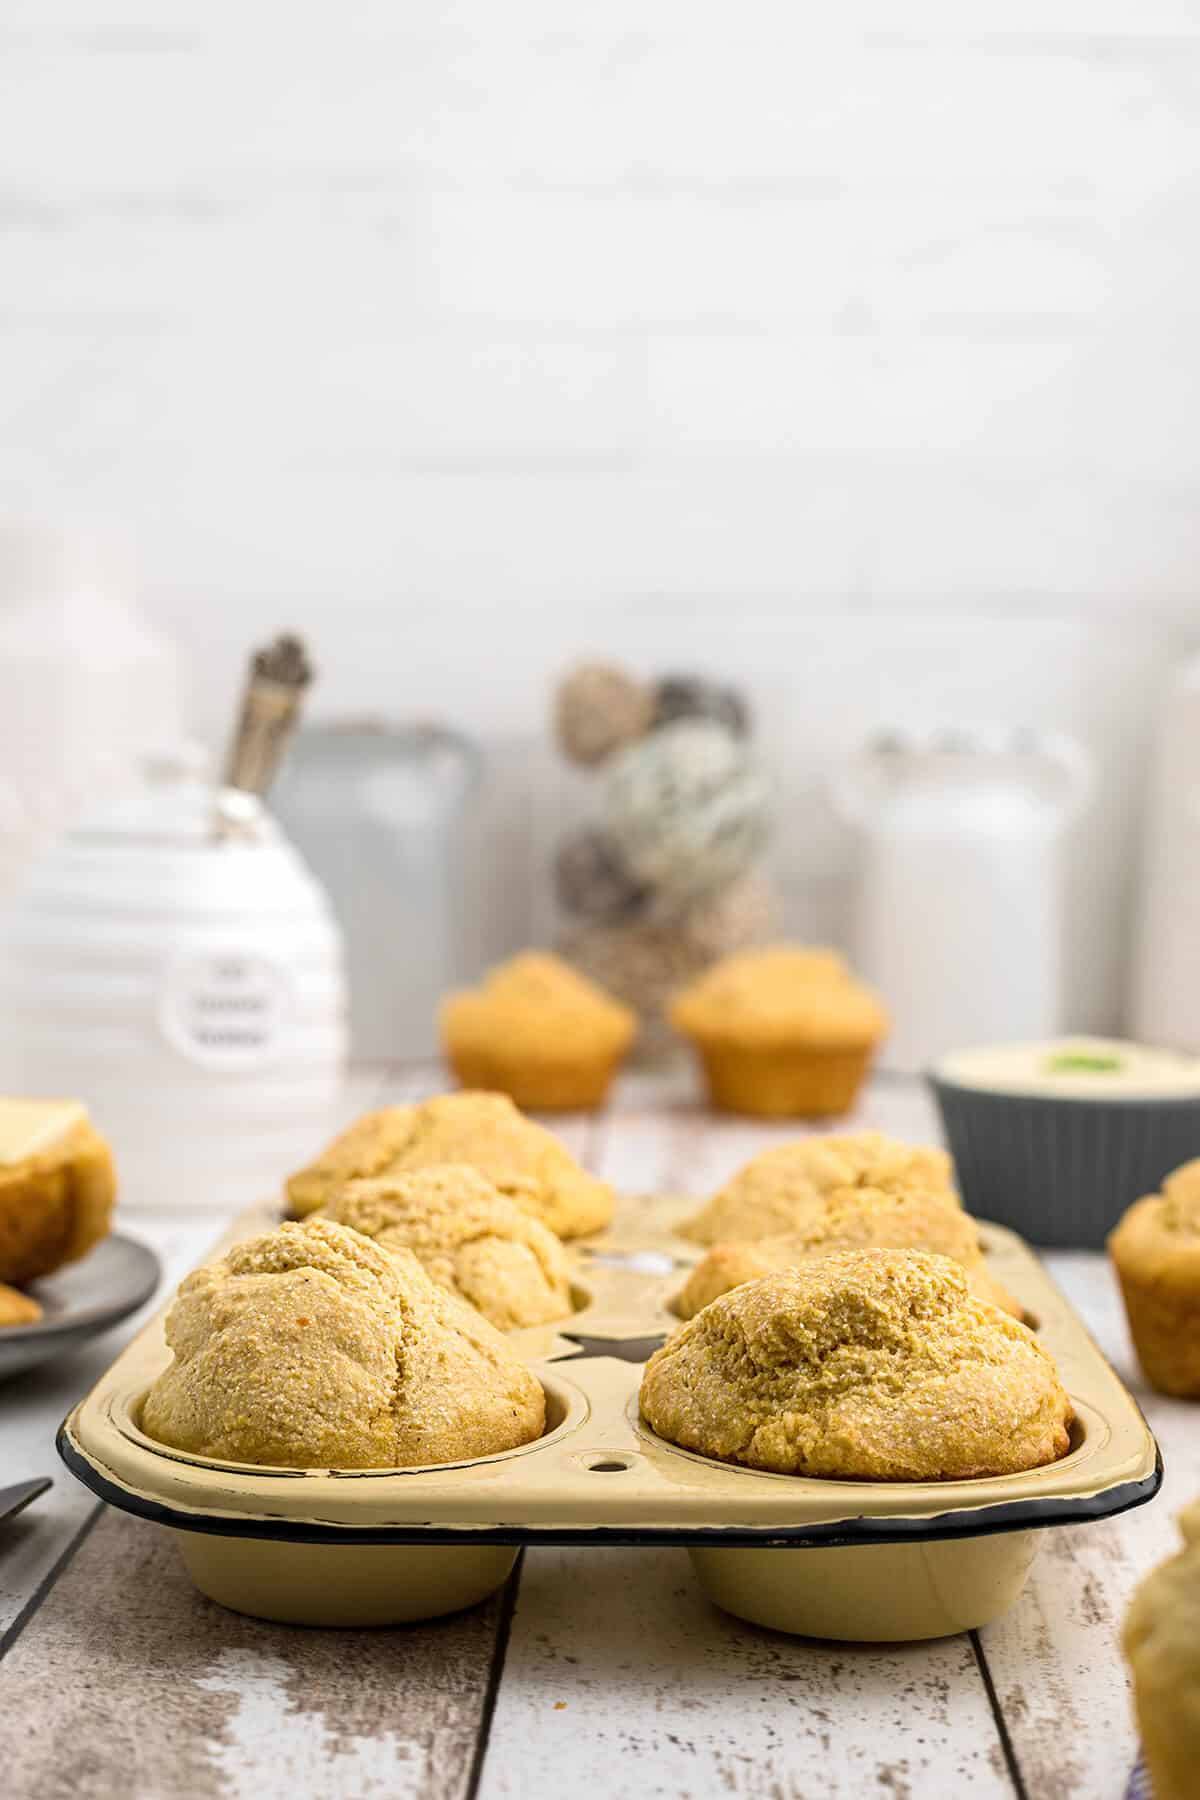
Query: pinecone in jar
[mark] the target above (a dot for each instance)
(591, 880)
(641, 963)
(733, 918)
(692, 697)
(598, 710)
(687, 809)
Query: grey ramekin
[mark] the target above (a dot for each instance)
(1059, 1169)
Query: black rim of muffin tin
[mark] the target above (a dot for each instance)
(985, 1521)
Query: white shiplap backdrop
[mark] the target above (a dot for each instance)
(849, 350)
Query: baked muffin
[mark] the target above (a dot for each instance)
(17, 1308)
(467, 1237)
(1156, 1252)
(57, 1186)
(1161, 1639)
(874, 1365)
(851, 1218)
(523, 1160)
(538, 1031)
(775, 1191)
(310, 1347)
(782, 1032)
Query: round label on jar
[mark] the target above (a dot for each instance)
(225, 1008)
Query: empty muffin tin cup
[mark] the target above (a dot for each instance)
(342, 1584)
(875, 1592)
(863, 1560)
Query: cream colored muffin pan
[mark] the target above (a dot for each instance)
(865, 1560)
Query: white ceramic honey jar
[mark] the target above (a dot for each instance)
(187, 986)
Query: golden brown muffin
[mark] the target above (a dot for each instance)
(538, 1031)
(775, 1192)
(1156, 1252)
(525, 1161)
(17, 1308)
(1161, 1639)
(310, 1347)
(876, 1365)
(467, 1237)
(57, 1186)
(861, 1218)
(782, 1032)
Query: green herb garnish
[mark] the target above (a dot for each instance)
(1083, 1062)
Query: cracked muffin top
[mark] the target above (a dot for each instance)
(873, 1365)
(1158, 1239)
(846, 1219)
(310, 1347)
(534, 997)
(467, 1237)
(523, 1160)
(783, 994)
(780, 1190)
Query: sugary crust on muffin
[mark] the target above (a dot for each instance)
(17, 1308)
(55, 1205)
(534, 1005)
(1161, 1639)
(851, 1218)
(311, 1347)
(468, 1237)
(523, 1160)
(780, 995)
(777, 1191)
(862, 1365)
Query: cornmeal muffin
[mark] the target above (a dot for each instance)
(781, 1032)
(523, 1160)
(57, 1186)
(848, 1219)
(876, 1365)
(310, 1347)
(467, 1237)
(1156, 1252)
(17, 1308)
(538, 1031)
(1161, 1639)
(776, 1191)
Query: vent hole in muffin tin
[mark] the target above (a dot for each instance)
(611, 1465)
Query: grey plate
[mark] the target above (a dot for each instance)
(81, 1301)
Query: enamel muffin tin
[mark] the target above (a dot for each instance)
(835, 1559)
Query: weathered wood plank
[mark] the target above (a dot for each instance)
(620, 1673)
(128, 1682)
(622, 1680)
(1055, 1659)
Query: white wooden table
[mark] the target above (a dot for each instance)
(602, 1667)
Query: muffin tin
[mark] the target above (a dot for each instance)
(859, 1560)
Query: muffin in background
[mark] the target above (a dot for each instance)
(775, 1191)
(873, 1365)
(538, 1031)
(522, 1159)
(851, 1218)
(783, 1032)
(57, 1187)
(467, 1237)
(310, 1347)
(1156, 1252)
(1161, 1641)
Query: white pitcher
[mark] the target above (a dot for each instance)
(958, 914)
(187, 988)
